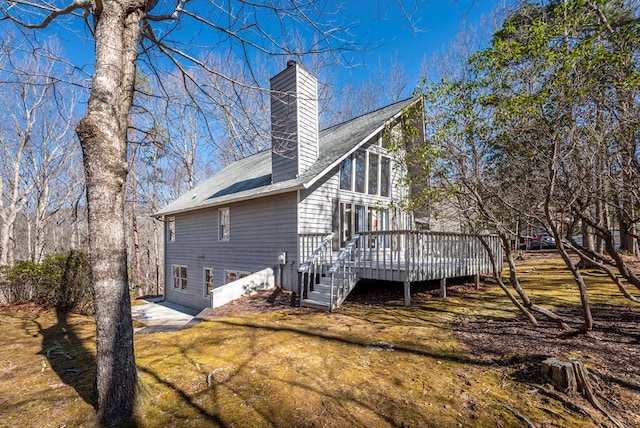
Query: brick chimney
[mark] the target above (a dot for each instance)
(294, 122)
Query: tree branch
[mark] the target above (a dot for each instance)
(53, 12)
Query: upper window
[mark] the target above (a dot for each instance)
(385, 176)
(223, 221)
(171, 229)
(345, 174)
(208, 282)
(373, 174)
(179, 277)
(366, 172)
(361, 170)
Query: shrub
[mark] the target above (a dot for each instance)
(62, 281)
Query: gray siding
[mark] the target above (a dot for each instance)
(294, 122)
(259, 229)
(316, 205)
(307, 120)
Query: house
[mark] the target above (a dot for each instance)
(287, 208)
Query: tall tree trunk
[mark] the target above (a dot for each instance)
(102, 134)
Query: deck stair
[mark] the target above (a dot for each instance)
(328, 291)
(405, 256)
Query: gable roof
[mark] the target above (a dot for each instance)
(250, 178)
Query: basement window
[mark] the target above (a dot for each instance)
(208, 282)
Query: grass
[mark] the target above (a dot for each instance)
(363, 366)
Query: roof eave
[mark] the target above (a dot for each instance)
(230, 199)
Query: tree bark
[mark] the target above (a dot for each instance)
(102, 134)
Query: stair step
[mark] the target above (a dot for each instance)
(310, 303)
(322, 287)
(319, 296)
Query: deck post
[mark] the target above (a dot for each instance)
(407, 278)
(477, 280)
(407, 292)
(443, 287)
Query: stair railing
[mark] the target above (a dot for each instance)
(315, 266)
(344, 271)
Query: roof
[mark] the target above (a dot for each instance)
(250, 177)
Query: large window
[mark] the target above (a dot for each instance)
(366, 172)
(208, 282)
(171, 229)
(358, 218)
(223, 221)
(180, 277)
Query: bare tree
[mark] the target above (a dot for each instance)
(121, 30)
(37, 145)
(53, 163)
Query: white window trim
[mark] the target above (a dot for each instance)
(381, 158)
(180, 289)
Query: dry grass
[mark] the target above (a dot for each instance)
(363, 366)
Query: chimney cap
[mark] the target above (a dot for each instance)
(291, 63)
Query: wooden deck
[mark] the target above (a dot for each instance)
(403, 256)
(423, 256)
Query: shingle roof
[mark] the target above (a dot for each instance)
(250, 177)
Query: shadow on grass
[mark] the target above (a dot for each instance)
(270, 414)
(74, 364)
(184, 396)
(454, 356)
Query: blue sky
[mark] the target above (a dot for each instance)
(377, 21)
(438, 22)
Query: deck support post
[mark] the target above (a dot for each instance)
(477, 281)
(407, 292)
(443, 287)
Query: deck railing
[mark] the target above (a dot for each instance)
(411, 255)
(344, 273)
(315, 249)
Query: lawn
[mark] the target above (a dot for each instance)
(366, 365)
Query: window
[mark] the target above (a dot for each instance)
(345, 174)
(171, 229)
(356, 218)
(373, 174)
(208, 282)
(179, 277)
(360, 169)
(366, 172)
(232, 275)
(385, 176)
(346, 224)
(223, 217)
